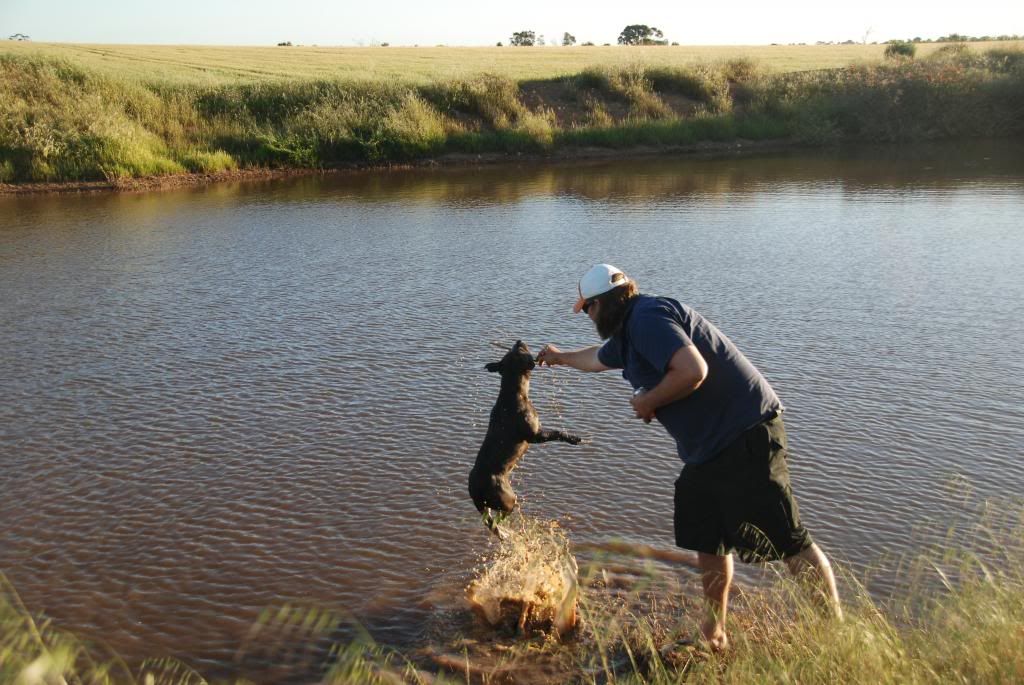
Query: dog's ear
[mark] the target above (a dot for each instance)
(493, 367)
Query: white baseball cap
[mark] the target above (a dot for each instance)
(598, 280)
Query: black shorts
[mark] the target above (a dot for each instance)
(741, 500)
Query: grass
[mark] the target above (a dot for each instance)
(958, 617)
(65, 117)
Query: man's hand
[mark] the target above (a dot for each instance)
(581, 360)
(550, 355)
(642, 406)
(686, 372)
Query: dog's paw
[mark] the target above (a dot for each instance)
(493, 518)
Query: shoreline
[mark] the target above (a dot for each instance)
(700, 150)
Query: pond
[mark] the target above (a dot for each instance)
(222, 399)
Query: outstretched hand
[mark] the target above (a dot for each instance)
(550, 355)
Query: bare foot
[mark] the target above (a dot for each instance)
(714, 636)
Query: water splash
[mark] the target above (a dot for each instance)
(531, 580)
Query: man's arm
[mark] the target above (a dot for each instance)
(582, 360)
(686, 372)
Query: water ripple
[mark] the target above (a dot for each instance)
(221, 401)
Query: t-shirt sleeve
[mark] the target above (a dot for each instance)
(656, 337)
(610, 354)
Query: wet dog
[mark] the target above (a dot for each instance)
(513, 427)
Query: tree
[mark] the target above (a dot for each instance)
(898, 49)
(523, 39)
(641, 34)
(568, 39)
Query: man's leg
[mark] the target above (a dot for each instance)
(716, 576)
(812, 564)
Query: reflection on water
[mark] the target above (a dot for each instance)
(221, 399)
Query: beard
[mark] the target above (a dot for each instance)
(609, 318)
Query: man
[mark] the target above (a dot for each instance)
(734, 491)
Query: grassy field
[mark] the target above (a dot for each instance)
(212, 66)
(70, 113)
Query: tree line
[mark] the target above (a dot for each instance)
(641, 34)
(634, 34)
(958, 38)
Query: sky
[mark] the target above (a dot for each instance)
(478, 22)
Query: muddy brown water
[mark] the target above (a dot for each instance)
(221, 399)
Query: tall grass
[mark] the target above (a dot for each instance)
(62, 122)
(957, 617)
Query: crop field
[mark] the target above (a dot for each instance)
(188, 65)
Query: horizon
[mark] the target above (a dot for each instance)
(320, 23)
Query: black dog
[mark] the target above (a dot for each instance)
(514, 425)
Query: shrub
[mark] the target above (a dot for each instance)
(597, 114)
(594, 78)
(495, 99)
(742, 69)
(957, 53)
(327, 127)
(539, 126)
(704, 83)
(899, 49)
(629, 85)
(1005, 60)
(413, 129)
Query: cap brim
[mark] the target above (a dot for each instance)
(578, 307)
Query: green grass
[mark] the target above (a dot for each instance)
(64, 120)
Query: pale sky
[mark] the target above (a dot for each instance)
(477, 22)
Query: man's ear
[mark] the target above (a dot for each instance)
(493, 367)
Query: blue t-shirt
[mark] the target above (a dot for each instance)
(733, 397)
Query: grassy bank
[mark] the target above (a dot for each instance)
(959, 618)
(60, 121)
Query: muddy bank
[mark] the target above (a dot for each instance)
(705, 149)
(147, 183)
